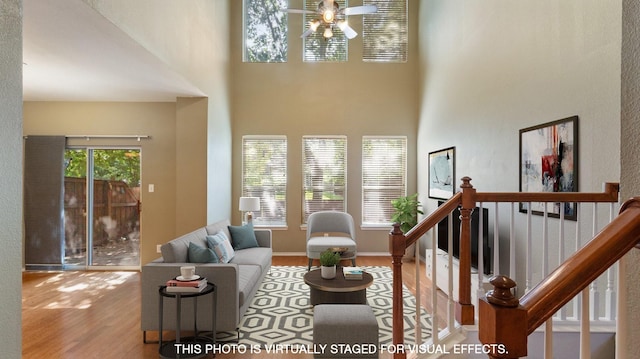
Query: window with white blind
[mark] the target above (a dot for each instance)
(324, 170)
(384, 177)
(265, 31)
(385, 35)
(264, 175)
(316, 47)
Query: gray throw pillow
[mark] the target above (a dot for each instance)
(199, 254)
(243, 236)
(221, 246)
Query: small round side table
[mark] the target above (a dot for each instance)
(170, 349)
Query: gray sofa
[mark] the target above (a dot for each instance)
(236, 281)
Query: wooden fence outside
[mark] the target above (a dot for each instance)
(116, 212)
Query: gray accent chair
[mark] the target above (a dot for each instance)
(330, 229)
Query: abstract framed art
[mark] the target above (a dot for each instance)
(549, 163)
(442, 173)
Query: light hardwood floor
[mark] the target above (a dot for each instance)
(92, 314)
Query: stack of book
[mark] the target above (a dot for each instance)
(190, 286)
(352, 273)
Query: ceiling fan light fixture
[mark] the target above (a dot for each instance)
(313, 25)
(328, 16)
(328, 33)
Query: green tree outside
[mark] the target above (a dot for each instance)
(266, 30)
(109, 164)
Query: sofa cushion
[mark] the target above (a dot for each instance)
(198, 254)
(222, 247)
(257, 256)
(249, 275)
(317, 245)
(176, 251)
(243, 236)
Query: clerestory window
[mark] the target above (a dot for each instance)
(385, 33)
(265, 31)
(318, 48)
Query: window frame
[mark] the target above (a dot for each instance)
(343, 189)
(387, 166)
(259, 218)
(373, 30)
(284, 43)
(338, 39)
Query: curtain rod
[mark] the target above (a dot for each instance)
(88, 137)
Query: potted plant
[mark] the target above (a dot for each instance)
(328, 262)
(406, 214)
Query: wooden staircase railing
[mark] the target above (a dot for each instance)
(505, 320)
(504, 304)
(398, 243)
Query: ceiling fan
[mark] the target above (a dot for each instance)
(330, 14)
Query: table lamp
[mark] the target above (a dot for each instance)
(248, 205)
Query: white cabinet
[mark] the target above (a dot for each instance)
(442, 276)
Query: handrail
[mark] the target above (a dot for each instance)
(609, 194)
(433, 219)
(466, 199)
(587, 264)
(554, 291)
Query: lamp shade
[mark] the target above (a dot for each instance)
(248, 204)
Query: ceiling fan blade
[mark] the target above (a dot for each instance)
(359, 10)
(307, 33)
(313, 26)
(348, 31)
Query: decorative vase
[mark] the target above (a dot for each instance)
(328, 272)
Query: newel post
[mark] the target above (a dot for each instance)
(502, 327)
(464, 307)
(397, 247)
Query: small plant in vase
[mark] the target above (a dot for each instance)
(328, 262)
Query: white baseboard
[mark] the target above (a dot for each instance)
(360, 254)
(290, 254)
(374, 254)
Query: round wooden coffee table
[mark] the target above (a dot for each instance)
(337, 290)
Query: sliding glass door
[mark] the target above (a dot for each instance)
(102, 207)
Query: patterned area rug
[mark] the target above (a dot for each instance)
(281, 312)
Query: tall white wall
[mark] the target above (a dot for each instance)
(630, 165)
(491, 68)
(11, 168)
(194, 41)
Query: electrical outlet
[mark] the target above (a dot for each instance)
(158, 246)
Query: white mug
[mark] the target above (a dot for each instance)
(188, 272)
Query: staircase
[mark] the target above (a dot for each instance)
(541, 314)
(565, 343)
